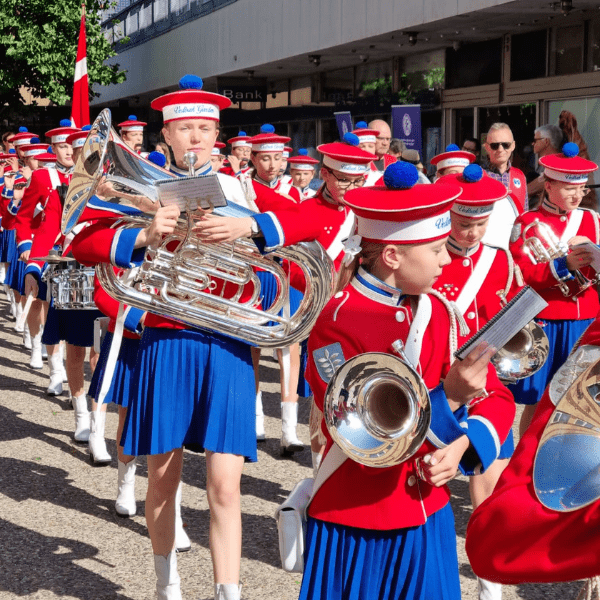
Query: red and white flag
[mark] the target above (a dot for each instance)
(80, 110)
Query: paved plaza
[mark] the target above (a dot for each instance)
(61, 538)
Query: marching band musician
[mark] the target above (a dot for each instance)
(452, 160)
(16, 274)
(571, 311)
(285, 155)
(241, 147)
(536, 542)
(132, 133)
(368, 142)
(302, 171)
(75, 327)
(217, 157)
(208, 400)
(359, 544)
(479, 279)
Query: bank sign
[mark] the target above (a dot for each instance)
(406, 125)
(244, 93)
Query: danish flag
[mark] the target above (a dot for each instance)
(80, 109)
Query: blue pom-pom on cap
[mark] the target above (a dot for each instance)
(362, 125)
(35, 140)
(158, 158)
(351, 138)
(400, 176)
(242, 134)
(190, 82)
(132, 118)
(303, 152)
(23, 130)
(473, 173)
(86, 128)
(452, 148)
(267, 128)
(65, 123)
(50, 151)
(570, 149)
(12, 151)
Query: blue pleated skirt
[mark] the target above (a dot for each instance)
(416, 563)
(121, 387)
(16, 274)
(76, 327)
(8, 245)
(562, 336)
(192, 388)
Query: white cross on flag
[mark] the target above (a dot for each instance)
(80, 109)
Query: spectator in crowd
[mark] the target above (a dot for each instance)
(382, 144)
(164, 149)
(414, 158)
(547, 139)
(6, 145)
(568, 123)
(396, 147)
(472, 145)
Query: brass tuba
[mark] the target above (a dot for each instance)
(546, 246)
(377, 409)
(180, 283)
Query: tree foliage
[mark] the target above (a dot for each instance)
(38, 46)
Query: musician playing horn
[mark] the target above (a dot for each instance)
(379, 532)
(570, 309)
(479, 279)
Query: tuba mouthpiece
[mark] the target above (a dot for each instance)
(189, 159)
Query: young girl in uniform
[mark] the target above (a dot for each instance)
(571, 307)
(480, 279)
(388, 533)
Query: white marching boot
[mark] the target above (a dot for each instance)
(260, 419)
(125, 503)
(26, 337)
(55, 387)
(228, 591)
(167, 577)
(182, 541)
(82, 419)
(488, 590)
(96, 443)
(13, 302)
(19, 327)
(36, 361)
(62, 362)
(289, 420)
(44, 352)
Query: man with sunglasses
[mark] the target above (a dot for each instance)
(499, 145)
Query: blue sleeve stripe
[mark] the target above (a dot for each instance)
(445, 425)
(24, 246)
(484, 439)
(122, 248)
(8, 193)
(271, 230)
(132, 319)
(13, 207)
(33, 269)
(559, 269)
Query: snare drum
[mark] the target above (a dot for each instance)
(73, 288)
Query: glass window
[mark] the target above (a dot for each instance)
(474, 64)
(131, 23)
(301, 91)
(161, 9)
(568, 50)
(338, 86)
(594, 49)
(146, 15)
(533, 46)
(374, 79)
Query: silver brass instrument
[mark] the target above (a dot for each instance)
(72, 288)
(180, 283)
(546, 246)
(377, 409)
(566, 470)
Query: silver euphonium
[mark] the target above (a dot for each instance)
(177, 282)
(377, 408)
(546, 246)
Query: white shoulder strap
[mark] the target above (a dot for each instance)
(414, 342)
(572, 228)
(54, 178)
(474, 283)
(337, 245)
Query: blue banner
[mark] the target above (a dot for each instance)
(344, 122)
(406, 125)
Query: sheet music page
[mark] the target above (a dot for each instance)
(191, 193)
(594, 251)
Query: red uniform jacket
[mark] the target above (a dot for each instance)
(368, 316)
(512, 538)
(487, 299)
(544, 278)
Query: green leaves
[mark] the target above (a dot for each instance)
(38, 46)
